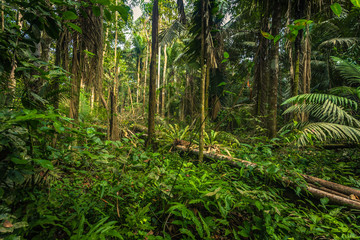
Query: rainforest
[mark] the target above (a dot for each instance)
(163, 119)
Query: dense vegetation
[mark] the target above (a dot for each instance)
(204, 119)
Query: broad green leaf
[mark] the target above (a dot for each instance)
(44, 163)
(122, 10)
(221, 84)
(267, 35)
(75, 27)
(277, 38)
(69, 15)
(356, 3)
(336, 8)
(19, 161)
(226, 55)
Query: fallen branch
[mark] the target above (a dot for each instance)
(319, 188)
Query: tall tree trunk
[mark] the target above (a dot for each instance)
(261, 76)
(274, 76)
(114, 125)
(152, 81)
(2, 16)
(163, 85)
(306, 75)
(204, 25)
(138, 80)
(145, 75)
(75, 79)
(158, 81)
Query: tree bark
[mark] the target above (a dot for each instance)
(202, 79)
(75, 79)
(114, 125)
(163, 85)
(158, 102)
(152, 81)
(274, 71)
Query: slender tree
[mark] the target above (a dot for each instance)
(152, 81)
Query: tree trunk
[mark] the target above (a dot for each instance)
(145, 75)
(138, 81)
(306, 77)
(261, 75)
(158, 81)
(114, 125)
(163, 84)
(75, 79)
(152, 81)
(203, 78)
(274, 76)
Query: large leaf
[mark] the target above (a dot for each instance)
(336, 8)
(356, 3)
(69, 15)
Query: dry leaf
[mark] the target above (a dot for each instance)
(7, 224)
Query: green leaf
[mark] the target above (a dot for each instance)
(123, 11)
(107, 15)
(69, 15)
(75, 27)
(324, 200)
(16, 176)
(58, 127)
(267, 35)
(277, 38)
(1, 192)
(356, 3)
(226, 55)
(103, 2)
(19, 161)
(44, 163)
(96, 11)
(213, 193)
(221, 84)
(336, 8)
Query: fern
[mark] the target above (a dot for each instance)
(348, 71)
(335, 123)
(321, 98)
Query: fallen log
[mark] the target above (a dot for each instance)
(336, 193)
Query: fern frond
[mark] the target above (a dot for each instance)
(348, 71)
(323, 131)
(327, 112)
(339, 42)
(321, 98)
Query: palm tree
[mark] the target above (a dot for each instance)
(331, 116)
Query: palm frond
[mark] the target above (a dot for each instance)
(339, 42)
(323, 131)
(327, 112)
(321, 98)
(348, 71)
(167, 36)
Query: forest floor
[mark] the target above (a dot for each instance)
(101, 189)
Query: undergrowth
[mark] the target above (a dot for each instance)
(82, 186)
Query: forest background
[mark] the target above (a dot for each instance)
(205, 119)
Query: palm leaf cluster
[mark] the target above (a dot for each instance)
(331, 116)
